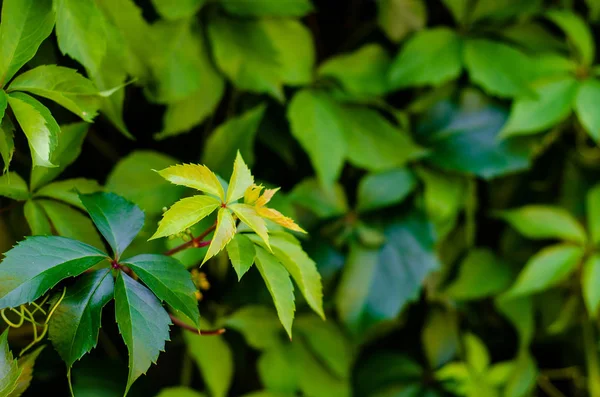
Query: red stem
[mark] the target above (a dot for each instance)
(188, 327)
(196, 242)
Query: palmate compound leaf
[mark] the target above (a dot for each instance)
(143, 323)
(9, 370)
(117, 219)
(184, 214)
(249, 215)
(169, 281)
(38, 263)
(74, 326)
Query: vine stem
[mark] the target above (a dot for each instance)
(193, 330)
(196, 242)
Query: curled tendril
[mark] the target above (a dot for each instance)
(26, 315)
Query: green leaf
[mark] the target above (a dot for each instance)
(66, 151)
(276, 371)
(589, 283)
(376, 284)
(81, 32)
(68, 222)
(179, 391)
(548, 267)
(384, 189)
(440, 337)
(245, 54)
(13, 186)
(143, 323)
(26, 23)
(236, 134)
(279, 285)
(39, 126)
(62, 85)
(545, 222)
(587, 96)
(224, 232)
(36, 218)
(26, 364)
(325, 203)
(215, 360)
(458, 9)
(300, 266)
(463, 137)
(68, 191)
(389, 147)
(500, 69)
(195, 176)
(316, 122)
(250, 217)
(577, 32)
(258, 324)
(133, 178)
(7, 142)
(362, 73)
(184, 214)
(552, 104)
(480, 264)
(520, 312)
(398, 18)
(241, 254)
(50, 260)
(501, 10)
(293, 43)
(593, 213)
(182, 67)
(117, 219)
(418, 64)
(176, 10)
(241, 179)
(477, 356)
(169, 281)
(9, 370)
(75, 324)
(291, 8)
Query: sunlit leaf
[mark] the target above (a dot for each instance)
(195, 176)
(250, 217)
(13, 186)
(241, 254)
(224, 232)
(36, 218)
(241, 180)
(184, 214)
(576, 31)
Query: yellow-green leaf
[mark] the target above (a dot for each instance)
(195, 176)
(184, 214)
(241, 179)
(241, 254)
(224, 232)
(250, 217)
(590, 280)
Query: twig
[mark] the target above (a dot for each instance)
(195, 242)
(188, 327)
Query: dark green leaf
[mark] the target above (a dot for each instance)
(13, 186)
(383, 189)
(117, 219)
(25, 24)
(75, 324)
(9, 370)
(50, 259)
(458, 9)
(241, 254)
(66, 151)
(316, 122)
(236, 134)
(398, 18)
(377, 284)
(290, 8)
(143, 323)
(280, 286)
(62, 85)
(169, 281)
(36, 218)
(503, 9)
(418, 64)
(39, 126)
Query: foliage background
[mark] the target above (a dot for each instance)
(401, 131)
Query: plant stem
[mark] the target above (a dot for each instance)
(188, 327)
(591, 355)
(196, 242)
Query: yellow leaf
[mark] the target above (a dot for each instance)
(195, 176)
(252, 194)
(266, 197)
(241, 180)
(224, 232)
(279, 218)
(184, 214)
(250, 217)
